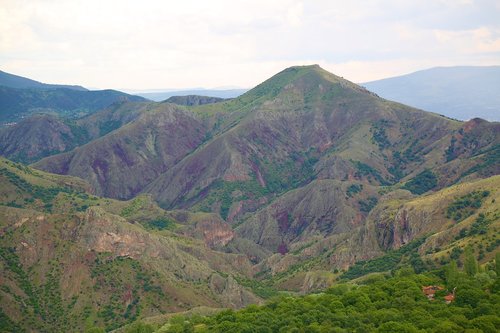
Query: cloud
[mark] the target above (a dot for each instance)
(172, 44)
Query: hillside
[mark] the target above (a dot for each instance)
(457, 92)
(16, 104)
(16, 81)
(69, 258)
(139, 261)
(42, 135)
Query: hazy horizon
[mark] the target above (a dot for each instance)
(158, 45)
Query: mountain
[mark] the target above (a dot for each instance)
(219, 93)
(463, 92)
(305, 155)
(302, 181)
(15, 103)
(303, 124)
(15, 81)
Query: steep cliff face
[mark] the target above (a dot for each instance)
(211, 228)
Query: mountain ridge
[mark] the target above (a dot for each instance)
(16, 81)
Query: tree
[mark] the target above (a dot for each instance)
(470, 264)
(451, 274)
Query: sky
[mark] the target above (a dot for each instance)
(140, 45)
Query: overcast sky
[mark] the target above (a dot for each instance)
(185, 44)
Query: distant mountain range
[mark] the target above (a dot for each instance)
(463, 92)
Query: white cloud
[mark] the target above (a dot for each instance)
(172, 44)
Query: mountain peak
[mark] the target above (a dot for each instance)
(310, 67)
(307, 79)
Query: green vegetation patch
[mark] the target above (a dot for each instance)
(490, 160)
(379, 136)
(228, 192)
(262, 289)
(451, 151)
(133, 207)
(354, 189)
(280, 177)
(40, 301)
(7, 325)
(367, 205)
(290, 174)
(421, 183)
(369, 172)
(45, 194)
(466, 205)
(161, 223)
(390, 261)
